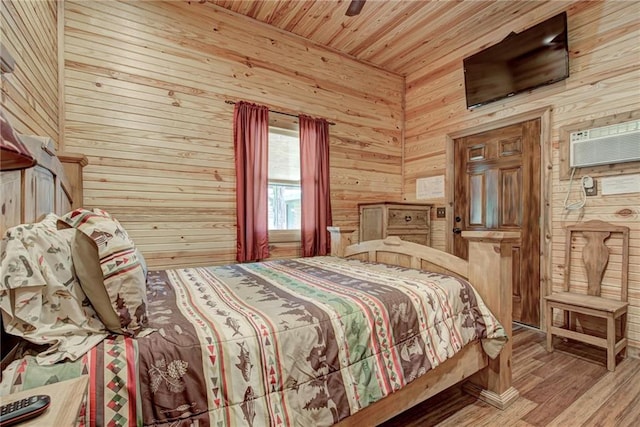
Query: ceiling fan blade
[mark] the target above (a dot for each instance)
(355, 7)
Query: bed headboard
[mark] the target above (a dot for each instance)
(54, 184)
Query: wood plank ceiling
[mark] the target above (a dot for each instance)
(399, 36)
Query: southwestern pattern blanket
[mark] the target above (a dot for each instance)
(290, 342)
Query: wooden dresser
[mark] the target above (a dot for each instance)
(409, 221)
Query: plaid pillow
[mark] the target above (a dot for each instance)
(116, 285)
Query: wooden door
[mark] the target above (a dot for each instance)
(497, 187)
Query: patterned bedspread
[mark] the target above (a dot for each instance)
(303, 342)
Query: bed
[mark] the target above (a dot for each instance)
(346, 339)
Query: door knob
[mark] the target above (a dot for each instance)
(457, 230)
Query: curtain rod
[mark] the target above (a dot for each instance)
(275, 111)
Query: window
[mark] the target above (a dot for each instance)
(284, 180)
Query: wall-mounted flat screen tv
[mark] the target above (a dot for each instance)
(522, 61)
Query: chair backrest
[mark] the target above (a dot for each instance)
(595, 254)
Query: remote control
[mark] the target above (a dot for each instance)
(23, 409)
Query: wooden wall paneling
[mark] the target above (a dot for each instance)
(37, 58)
(605, 70)
(154, 19)
(144, 101)
(30, 94)
(61, 86)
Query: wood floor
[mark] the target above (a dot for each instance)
(569, 387)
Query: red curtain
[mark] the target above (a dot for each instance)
(314, 182)
(250, 138)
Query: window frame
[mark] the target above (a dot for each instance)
(292, 235)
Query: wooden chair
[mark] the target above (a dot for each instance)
(595, 255)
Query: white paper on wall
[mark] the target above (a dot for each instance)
(430, 188)
(620, 184)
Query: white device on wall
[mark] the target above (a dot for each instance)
(605, 145)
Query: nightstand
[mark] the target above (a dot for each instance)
(66, 399)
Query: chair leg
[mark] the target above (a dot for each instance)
(549, 325)
(611, 343)
(623, 332)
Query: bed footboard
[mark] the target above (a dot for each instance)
(489, 271)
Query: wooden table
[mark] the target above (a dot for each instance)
(66, 398)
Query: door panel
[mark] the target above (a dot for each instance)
(476, 199)
(497, 187)
(511, 208)
(516, 254)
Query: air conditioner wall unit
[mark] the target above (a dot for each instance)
(605, 145)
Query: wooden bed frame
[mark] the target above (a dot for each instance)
(489, 270)
(55, 185)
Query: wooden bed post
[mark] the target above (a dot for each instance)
(490, 267)
(73, 164)
(341, 237)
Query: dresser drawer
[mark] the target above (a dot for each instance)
(408, 218)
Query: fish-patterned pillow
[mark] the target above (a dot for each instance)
(40, 297)
(109, 270)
